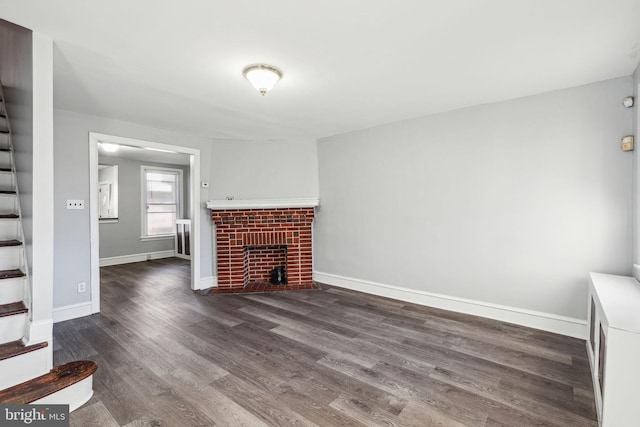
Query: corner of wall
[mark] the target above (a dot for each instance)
(43, 205)
(636, 170)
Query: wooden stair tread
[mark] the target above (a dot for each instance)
(16, 348)
(12, 309)
(9, 216)
(11, 274)
(57, 379)
(5, 243)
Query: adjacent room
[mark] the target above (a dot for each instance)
(331, 214)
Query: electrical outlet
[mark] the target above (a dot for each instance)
(75, 204)
(82, 287)
(229, 197)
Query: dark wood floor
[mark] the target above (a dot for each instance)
(332, 357)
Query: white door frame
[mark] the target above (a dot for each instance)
(194, 208)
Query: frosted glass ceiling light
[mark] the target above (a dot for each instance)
(262, 77)
(109, 148)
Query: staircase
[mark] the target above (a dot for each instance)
(25, 375)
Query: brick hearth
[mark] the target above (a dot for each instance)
(252, 242)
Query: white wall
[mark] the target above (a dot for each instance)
(40, 328)
(511, 203)
(636, 172)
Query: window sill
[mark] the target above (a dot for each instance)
(163, 237)
(108, 220)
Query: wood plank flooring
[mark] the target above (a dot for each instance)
(330, 357)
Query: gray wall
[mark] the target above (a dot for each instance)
(123, 237)
(16, 76)
(231, 169)
(264, 169)
(510, 203)
(72, 243)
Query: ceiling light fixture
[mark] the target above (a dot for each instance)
(262, 77)
(109, 148)
(628, 101)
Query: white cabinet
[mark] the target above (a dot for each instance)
(614, 348)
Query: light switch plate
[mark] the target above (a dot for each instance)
(75, 204)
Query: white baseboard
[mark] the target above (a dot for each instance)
(208, 282)
(73, 311)
(534, 319)
(127, 259)
(636, 271)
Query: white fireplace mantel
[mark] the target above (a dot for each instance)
(219, 205)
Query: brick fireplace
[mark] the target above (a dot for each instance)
(252, 241)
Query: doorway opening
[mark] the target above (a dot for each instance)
(167, 197)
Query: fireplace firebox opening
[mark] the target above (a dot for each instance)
(260, 261)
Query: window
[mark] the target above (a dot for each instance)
(161, 201)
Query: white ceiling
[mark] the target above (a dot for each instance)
(347, 64)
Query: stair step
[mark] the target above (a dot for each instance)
(6, 170)
(13, 318)
(13, 308)
(4, 131)
(5, 243)
(17, 348)
(57, 379)
(9, 216)
(11, 257)
(9, 230)
(5, 155)
(11, 274)
(7, 192)
(12, 290)
(7, 181)
(20, 363)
